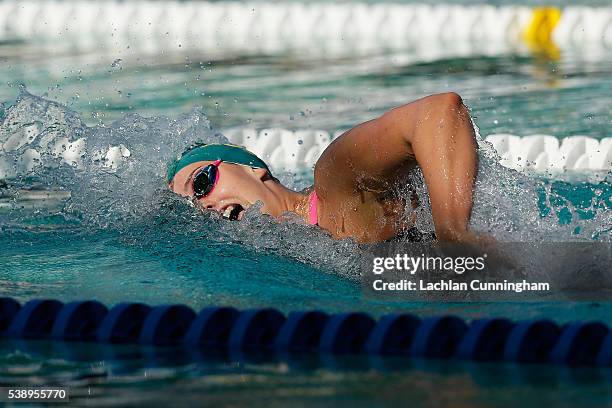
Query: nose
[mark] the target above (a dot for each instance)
(208, 204)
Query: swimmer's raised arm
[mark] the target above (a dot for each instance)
(434, 132)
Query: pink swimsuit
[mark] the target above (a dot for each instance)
(313, 203)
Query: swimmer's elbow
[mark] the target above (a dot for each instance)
(450, 100)
(433, 116)
(439, 102)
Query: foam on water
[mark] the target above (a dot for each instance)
(132, 198)
(516, 206)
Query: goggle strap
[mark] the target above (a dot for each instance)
(216, 163)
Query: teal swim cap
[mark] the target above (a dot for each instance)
(228, 153)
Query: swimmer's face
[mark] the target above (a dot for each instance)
(237, 188)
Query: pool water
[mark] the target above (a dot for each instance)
(122, 236)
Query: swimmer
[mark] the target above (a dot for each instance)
(356, 179)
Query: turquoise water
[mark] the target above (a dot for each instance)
(122, 236)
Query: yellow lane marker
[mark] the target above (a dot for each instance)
(538, 33)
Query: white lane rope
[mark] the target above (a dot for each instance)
(289, 150)
(277, 26)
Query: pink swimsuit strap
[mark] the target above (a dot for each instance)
(313, 204)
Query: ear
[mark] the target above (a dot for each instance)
(262, 174)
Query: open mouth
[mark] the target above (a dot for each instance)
(233, 212)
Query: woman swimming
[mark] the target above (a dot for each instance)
(357, 177)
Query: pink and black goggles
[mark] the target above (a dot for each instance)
(205, 180)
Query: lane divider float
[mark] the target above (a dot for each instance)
(272, 26)
(288, 149)
(267, 330)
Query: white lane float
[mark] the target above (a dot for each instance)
(287, 149)
(156, 25)
(300, 149)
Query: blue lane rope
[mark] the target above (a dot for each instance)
(268, 330)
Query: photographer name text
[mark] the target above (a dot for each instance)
(450, 285)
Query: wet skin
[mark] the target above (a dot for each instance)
(357, 177)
